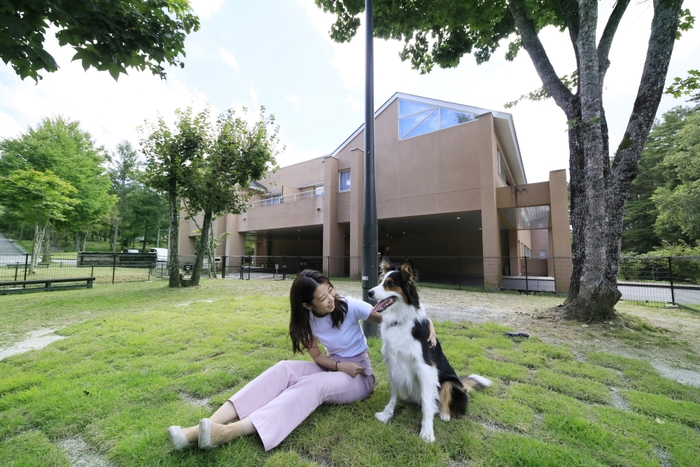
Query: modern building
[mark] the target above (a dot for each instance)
(450, 182)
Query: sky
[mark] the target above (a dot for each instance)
(278, 54)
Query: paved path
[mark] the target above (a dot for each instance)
(8, 247)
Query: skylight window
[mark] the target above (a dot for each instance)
(417, 119)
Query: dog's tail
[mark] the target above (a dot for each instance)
(473, 382)
(453, 398)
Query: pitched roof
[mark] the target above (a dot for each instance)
(503, 122)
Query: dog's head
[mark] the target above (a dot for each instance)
(397, 282)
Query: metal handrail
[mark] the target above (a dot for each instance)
(285, 199)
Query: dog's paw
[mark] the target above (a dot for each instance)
(427, 434)
(445, 417)
(382, 416)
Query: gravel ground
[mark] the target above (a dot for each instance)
(529, 313)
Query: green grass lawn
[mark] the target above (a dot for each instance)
(140, 357)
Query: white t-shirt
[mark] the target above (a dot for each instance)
(349, 340)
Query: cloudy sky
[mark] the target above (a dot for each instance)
(277, 53)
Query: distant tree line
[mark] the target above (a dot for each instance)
(60, 189)
(57, 187)
(662, 215)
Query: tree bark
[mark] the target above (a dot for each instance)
(203, 248)
(116, 235)
(39, 232)
(46, 246)
(174, 232)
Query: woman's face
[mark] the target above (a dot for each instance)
(323, 302)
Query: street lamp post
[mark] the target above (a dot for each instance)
(370, 234)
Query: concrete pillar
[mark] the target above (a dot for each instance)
(357, 179)
(490, 232)
(333, 243)
(559, 230)
(235, 243)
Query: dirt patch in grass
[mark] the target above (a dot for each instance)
(35, 340)
(81, 454)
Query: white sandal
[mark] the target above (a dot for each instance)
(204, 440)
(178, 439)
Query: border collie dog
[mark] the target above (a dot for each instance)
(417, 372)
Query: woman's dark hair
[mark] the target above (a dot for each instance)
(302, 291)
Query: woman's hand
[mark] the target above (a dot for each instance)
(432, 337)
(353, 369)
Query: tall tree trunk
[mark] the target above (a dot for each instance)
(595, 297)
(212, 252)
(598, 190)
(83, 245)
(115, 238)
(174, 231)
(46, 245)
(203, 248)
(39, 232)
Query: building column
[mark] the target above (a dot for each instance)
(333, 243)
(357, 180)
(235, 243)
(490, 232)
(559, 230)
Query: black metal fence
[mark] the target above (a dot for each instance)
(642, 278)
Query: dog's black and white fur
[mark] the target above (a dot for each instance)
(417, 372)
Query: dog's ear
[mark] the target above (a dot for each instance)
(384, 267)
(410, 276)
(408, 273)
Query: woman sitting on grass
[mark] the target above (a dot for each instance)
(278, 400)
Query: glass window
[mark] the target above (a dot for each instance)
(500, 162)
(407, 108)
(428, 125)
(344, 180)
(318, 192)
(418, 119)
(449, 117)
(406, 125)
(273, 200)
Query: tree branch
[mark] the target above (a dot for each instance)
(625, 165)
(608, 34)
(661, 42)
(531, 42)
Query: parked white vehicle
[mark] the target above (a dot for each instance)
(161, 253)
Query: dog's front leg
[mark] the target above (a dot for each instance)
(388, 411)
(429, 396)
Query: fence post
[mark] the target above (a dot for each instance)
(114, 266)
(223, 267)
(670, 278)
(527, 286)
(242, 266)
(459, 272)
(284, 268)
(26, 265)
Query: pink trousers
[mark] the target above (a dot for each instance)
(283, 396)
